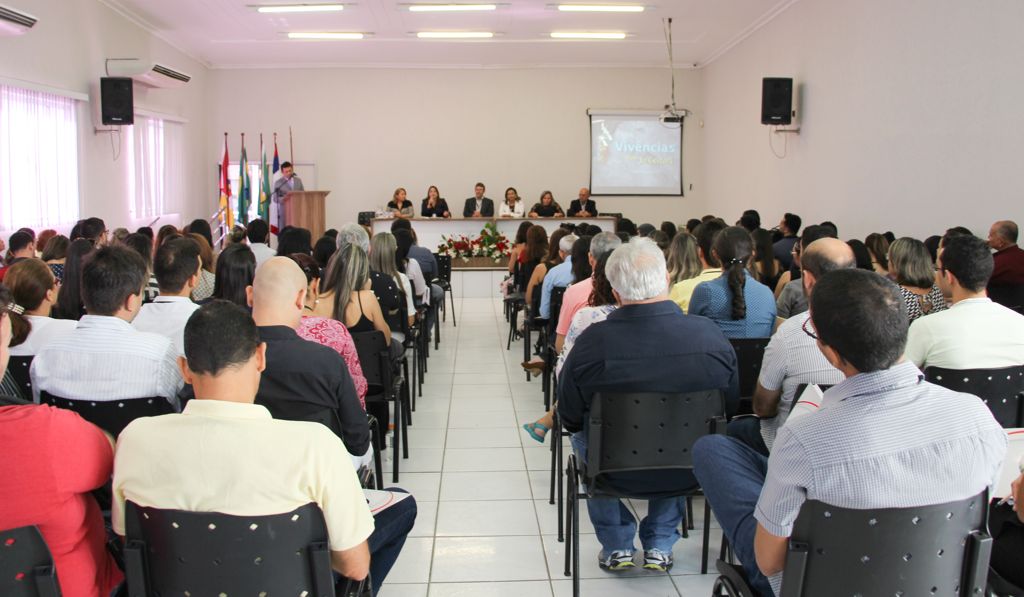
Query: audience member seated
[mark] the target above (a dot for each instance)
(384, 260)
(1009, 258)
(207, 278)
(559, 275)
(883, 438)
(425, 260)
(404, 240)
(303, 381)
(104, 358)
(1006, 523)
(554, 257)
(144, 247)
(645, 229)
(20, 246)
(583, 206)
(55, 253)
(323, 249)
(751, 220)
(400, 206)
(478, 206)
(669, 229)
(512, 206)
(792, 356)
(911, 268)
(974, 333)
(52, 460)
(534, 255)
(226, 454)
(861, 255)
(791, 299)
(236, 269)
(739, 304)
(258, 233)
(878, 246)
(434, 205)
(710, 268)
(578, 295)
(646, 345)
(783, 248)
(326, 331)
(546, 207)
(201, 227)
(765, 267)
(177, 270)
(69, 299)
(683, 260)
(383, 287)
(294, 240)
(518, 253)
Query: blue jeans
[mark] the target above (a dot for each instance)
(616, 526)
(748, 431)
(391, 527)
(732, 475)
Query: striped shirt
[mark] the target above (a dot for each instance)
(714, 300)
(886, 439)
(105, 358)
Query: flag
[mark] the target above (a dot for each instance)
(275, 207)
(277, 161)
(226, 219)
(264, 206)
(244, 191)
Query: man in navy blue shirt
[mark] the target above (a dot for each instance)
(646, 345)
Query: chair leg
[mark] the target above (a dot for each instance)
(571, 502)
(437, 329)
(526, 345)
(395, 456)
(707, 537)
(576, 548)
(406, 421)
(451, 295)
(378, 459)
(561, 499)
(689, 513)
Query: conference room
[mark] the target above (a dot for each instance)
(474, 299)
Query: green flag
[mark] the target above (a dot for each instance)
(244, 192)
(264, 205)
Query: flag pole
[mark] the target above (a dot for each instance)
(291, 147)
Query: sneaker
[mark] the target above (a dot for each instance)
(657, 560)
(616, 561)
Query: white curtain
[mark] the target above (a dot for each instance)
(38, 159)
(155, 167)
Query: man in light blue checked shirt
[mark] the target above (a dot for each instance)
(883, 438)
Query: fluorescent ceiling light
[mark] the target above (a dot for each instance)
(450, 7)
(601, 7)
(454, 35)
(586, 35)
(302, 8)
(325, 35)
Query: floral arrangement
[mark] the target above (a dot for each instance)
(490, 244)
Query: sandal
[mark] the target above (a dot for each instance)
(532, 428)
(538, 366)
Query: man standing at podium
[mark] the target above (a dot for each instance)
(287, 183)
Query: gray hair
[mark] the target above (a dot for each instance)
(353, 234)
(637, 270)
(566, 243)
(603, 244)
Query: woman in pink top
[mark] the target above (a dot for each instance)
(328, 332)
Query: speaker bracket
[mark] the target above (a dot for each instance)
(795, 131)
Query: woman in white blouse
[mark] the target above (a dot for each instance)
(512, 206)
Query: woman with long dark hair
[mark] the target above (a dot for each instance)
(878, 246)
(766, 267)
(144, 247)
(69, 299)
(54, 253)
(207, 278)
(201, 227)
(512, 206)
(236, 269)
(434, 205)
(347, 296)
(519, 246)
(581, 269)
(740, 305)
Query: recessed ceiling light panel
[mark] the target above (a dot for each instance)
(451, 7)
(587, 35)
(286, 8)
(325, 35)
(601, 7)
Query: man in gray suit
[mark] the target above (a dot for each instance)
(287, 183)
(478, 206)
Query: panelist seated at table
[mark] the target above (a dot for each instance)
(434, 205)
(584, 207)
(512, 207)
(547, 207)
(400, 206)
(478, 206)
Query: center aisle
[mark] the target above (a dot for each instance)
(485, 527)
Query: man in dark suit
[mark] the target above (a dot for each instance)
(584, 207)
(478, 206)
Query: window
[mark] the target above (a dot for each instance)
(38, 159)
(155, 167)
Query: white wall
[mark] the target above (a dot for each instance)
(370, 131)
(912, 117)
(66, 50)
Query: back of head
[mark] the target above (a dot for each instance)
(236, 269)
(603, 244)
(383, 251)
(813, 233)
(19, 241)
(536, 243)
(862, 317)
(734, 248)
(141, 245)
(683, 262)
(277, 283)
(201, 227)
(44, 237)
(119, 234)
(69, 299)
(403, 242)
(970, 261)
(554, 245)
(692, 224)
(110, 276)
(645, 230)
(1007, 230)
(400, 224)
(669, 229)
(566, 242)
(28, 280)
(174, 263)
(524, 227)
(953, 232)
(637, 271)
(219, 336)
(353, 234)
(913, 265)
(831, 226)
(257, 231)
(146, 231)
(165, 231)
(751, 220)
(205, 250)
(626, 225)
(308, 265)
(295, 240)
(932, 244)
(581, 269)
(661, 239)
(878, 245)
(705, 235)
(323, 249)
(764, 249)
(861, 254)
(349, 273)
(827, 255)
(56, 248)
(92, 229)
(793, 223)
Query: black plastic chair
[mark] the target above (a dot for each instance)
(634, 432)
(749, 354)
(1001, 389)
(444, 280)
(550, 353)
(384, 386)
(174, 552)
(20, 368)
(1008, 295)
(26, 565)
(942, 549)
(111, 416)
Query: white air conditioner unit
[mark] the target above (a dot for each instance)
(147, 73)
(15, 22)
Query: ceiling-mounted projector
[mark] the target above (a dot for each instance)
(147, 73)
(15, 22)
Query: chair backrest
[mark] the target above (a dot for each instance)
(638, 431)
(1009, 295)
(444, 267)
(173, 552)
(111, 416)
(374, 359)
(19, 368)
(749, 354)
(1001, 389)
(942, 549)
(26, 565)
(557, 296)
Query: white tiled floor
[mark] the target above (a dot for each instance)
(485, 527)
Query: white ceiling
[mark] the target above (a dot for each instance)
(231, 34)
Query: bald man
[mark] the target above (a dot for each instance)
(1008, 257)
(303, 381)
(584, 206)
(792, 356)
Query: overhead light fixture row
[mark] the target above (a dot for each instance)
(292, 8)
(601, 7)
(587, 35)
(455, 35)
(451, 7)
(325, 35)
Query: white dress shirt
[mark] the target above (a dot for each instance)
(972, 334)
(262, 251)
(511, 212)
(167, 316)
(419, 283)
(105, 358)
(44, 330)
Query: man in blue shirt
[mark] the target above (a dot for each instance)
(560, 275)
(646, 345)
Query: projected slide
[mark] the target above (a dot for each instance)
(634, 154)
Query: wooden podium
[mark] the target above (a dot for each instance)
(305, 209)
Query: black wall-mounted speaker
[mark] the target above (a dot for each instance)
(776, 100)
(116, 101)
